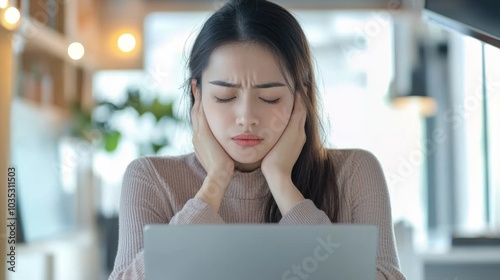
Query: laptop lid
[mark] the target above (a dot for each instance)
(260, 251)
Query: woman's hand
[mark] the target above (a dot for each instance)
(279, 162)
(217, 163)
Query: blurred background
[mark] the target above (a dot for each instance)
(86, 86)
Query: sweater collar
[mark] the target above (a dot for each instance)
(243, 185)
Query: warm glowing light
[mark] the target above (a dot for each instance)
(12, 15)
(76, 51)
(3, 4)
(126, 42)
(426, 106)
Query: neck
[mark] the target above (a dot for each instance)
(246, 167)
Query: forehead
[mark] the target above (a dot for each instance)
(243, 59)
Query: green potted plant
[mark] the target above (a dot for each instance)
(83, 122)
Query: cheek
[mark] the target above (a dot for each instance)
(278, 119)
(217, 119)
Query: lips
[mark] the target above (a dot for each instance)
(247, 139)
(246, 136)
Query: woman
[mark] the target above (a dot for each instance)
(258, 155)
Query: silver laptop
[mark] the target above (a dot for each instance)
(260, 251)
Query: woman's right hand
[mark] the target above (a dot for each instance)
(217, 163)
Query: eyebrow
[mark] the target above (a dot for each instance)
(230, 85)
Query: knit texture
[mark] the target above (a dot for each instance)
(161, 190)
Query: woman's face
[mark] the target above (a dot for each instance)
(243, 91)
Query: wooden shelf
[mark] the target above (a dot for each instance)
(46, 82)
(41, 39)
(46, 30)
(47, 75)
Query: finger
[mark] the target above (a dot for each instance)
(201, 114)
(301, 112)
(197, 100)
(194, 116)
(301, 103)
(297, 109)
(195, 112)
(302, 107)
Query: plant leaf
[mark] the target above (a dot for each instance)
(111, 140)
(160, 110)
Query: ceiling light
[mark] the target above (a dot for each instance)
(126, 42)
(12, 15)
(76, 51)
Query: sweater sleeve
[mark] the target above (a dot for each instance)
(196, 211)
(305, 213)
(142, 204)
(370, 204)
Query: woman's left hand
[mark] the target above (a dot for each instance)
(279, 161)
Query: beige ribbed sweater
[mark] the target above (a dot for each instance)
(160, 190)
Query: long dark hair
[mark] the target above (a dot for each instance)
(273, 27)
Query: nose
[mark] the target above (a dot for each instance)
(247, 115)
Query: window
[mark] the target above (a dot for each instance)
(477, 180)
(472, 215)
(492, 67)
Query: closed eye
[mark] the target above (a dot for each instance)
(271, 101)
(219, 100)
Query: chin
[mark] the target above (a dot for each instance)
(248, 155)
(246, 166)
